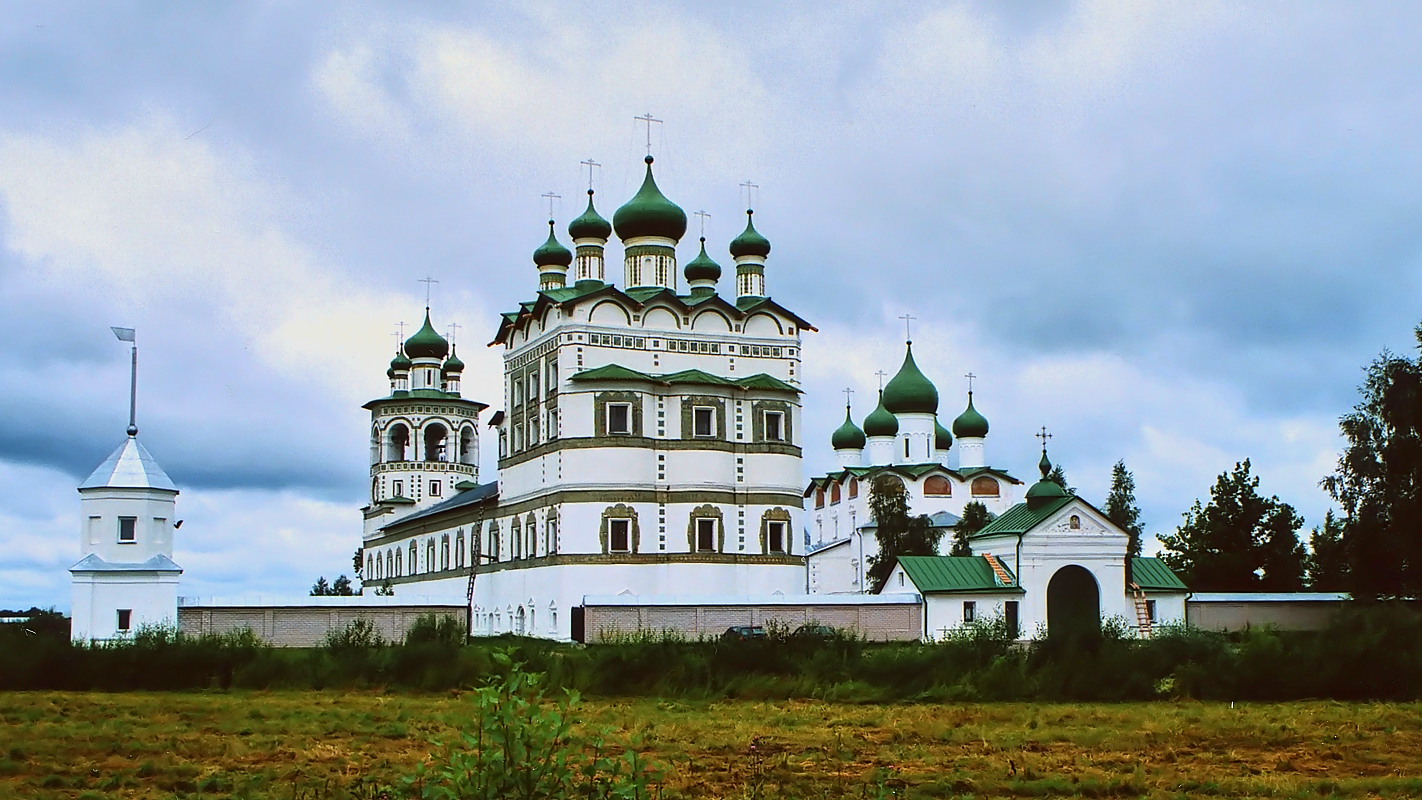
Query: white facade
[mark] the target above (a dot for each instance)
(126, 578)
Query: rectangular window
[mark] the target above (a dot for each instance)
(619, 418)
(552, 380)
(518, 438)
(552, 424)
(125, 619)
(128, 529)
(775, 426)
(532, 432)
(1150, 608)
(706, 535)
(703, 421)
(435, 489)
(619, 535)
(397, 488)
(970, 611)
(775, 537)
(533, 387)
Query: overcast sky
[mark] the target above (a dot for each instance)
(1173, 233)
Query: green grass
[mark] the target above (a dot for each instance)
(325, 744)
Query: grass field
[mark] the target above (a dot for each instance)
(320, 744)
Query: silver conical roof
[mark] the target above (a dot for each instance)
(131, 466)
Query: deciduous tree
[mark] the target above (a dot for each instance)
(899, 533)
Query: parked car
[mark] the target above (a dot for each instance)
(813, 630)
(744, 633)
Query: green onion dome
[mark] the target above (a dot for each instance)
(702, 267)
(750, 242)
(909, 392)
(552, 253)
(880, 422)
(426, 343)
(970, 424)
(848, 436)
(1046, 488)
(590, 225)
(453, 364)
(942, 439)
(400, 363)
(649, 213)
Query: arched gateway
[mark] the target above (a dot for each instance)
(1073, 603)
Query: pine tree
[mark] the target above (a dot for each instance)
(321, 588)
(975, 517)
(1327, 564)
(1239, 542)
(1058, 476)
(1121, 506)
(899, 533)
(341, 587)
(1379, 480)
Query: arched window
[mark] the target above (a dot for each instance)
(430, 556)
(1074, 523)
(819, 498)
(459, 550)
(389, 564)
(985, 487)
(374, 445)
(444, 552)
(370, 565)
(516, 538)
(937, 486)
(550, 533)
(853, 488)
(397, 443)
(519, 621)
(435, 436)
(414, 559)
(466, 445)
(399, 563)
(834, 493)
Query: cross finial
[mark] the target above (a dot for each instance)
(750, 192)
(847, 392)
(453, 329)
(908, 333)
(551, 197)
(703, 216)
(1044, 436)
(882, 375)
(429, 283)
(970, 376)
(649, 119)
(399, 333)
(591, 165)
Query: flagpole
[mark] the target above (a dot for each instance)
(133, 392)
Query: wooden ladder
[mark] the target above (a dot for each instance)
(1003, 579)
(1143, 621)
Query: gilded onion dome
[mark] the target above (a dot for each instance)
(970, 424)
(590, 225)
(909, 392)
(848, 436)
(552, 253)
(427, 343)
(649, 213)
(750, 242)
(880, 422)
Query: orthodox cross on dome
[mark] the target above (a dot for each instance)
(591, 165)
(970, 376)
(882, 375)
(703, 216)
(1044, 436)
(429, 283)
(847, 392)
(751, 189)
(649, 119)
(453, 329)
(551, 197)
(908, 333)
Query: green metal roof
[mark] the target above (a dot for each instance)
(942, 439)
(427, 343)
(695, 377)
(590, 225)
(760, 380)
(970, 423)
(649, 213)
(552, 252)
(946, 574)
(702, 267)
(880, 422)
(750, 242)
(1151, 574)
(847, 436)
(611, 372)
(1022, 517)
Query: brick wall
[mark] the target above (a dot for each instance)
(879, 622)
(307, 626)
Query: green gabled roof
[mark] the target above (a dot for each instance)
(941, 574)
(611, 372)
(1151, 574)
(398, 501)
(644, 293)
(761, 380)
(1022, 518)
(695, 376)
(968, 473)
(749, 304)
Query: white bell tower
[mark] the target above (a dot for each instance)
(126, 577)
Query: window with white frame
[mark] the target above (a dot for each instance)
(552, 429)
(436, 489)
(970, 611)
(619, 535)
(703, 421)
(775, 537)
(397, 488)
(705, 535)
(619, 418)
(775, 426)
(128, 529)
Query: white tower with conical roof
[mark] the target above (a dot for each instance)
(126, 577)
